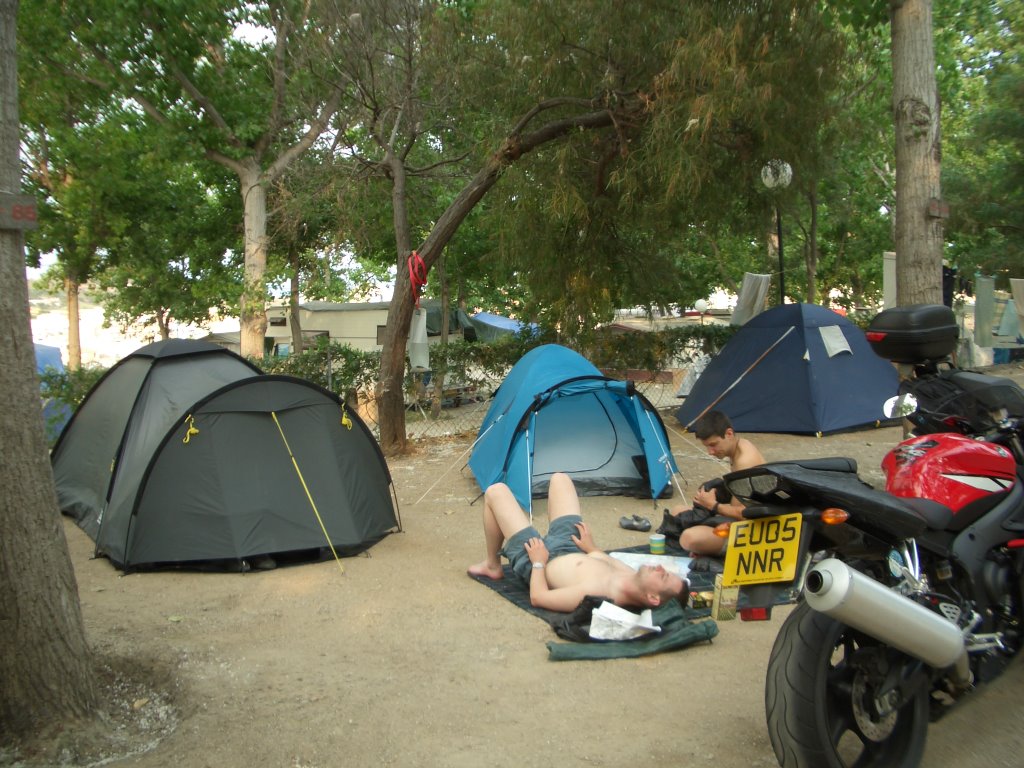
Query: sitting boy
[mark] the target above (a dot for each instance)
(712, 502)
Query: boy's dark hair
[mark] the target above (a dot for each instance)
(711, 424)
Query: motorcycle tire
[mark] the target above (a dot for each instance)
(814, 702)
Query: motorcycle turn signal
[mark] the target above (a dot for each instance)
(834, 516)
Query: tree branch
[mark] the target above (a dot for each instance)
(317, 126)
(513, 148)
(205, 105)
(550, 104)
(280, 80)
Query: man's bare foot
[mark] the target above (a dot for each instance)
(488, 571)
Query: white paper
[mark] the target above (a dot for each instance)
(610, 622)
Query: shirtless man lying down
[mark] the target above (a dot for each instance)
(564, 566)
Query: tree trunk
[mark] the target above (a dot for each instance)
(253, 309)
(918, 154)
(440, 375)
(811, 257)
(45, 663)
(390, 402)
(163, 324)
(293, 305)
(391, 388)
(74, 325)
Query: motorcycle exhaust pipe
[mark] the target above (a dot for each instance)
(860, 602)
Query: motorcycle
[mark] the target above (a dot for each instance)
(908, 597)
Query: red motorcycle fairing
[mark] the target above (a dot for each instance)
(949, 468)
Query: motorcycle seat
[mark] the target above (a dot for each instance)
(828, 464)
(935, 515)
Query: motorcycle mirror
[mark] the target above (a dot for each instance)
(900, 406)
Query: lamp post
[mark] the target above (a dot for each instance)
(701, 306)
(777, 174)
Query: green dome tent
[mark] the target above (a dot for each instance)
(185, 453)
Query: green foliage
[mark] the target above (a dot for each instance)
(983, 134)
(659, 350)
(481, 365)
(70, 387)
(338, 368)
(476, 364)
(342, 369)
(658, 210)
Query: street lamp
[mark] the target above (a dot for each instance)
(701, 306)
(777, 174)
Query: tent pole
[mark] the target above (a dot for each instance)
(529, 466)
(739, 378)
(666, 455)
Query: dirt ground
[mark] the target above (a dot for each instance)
(403, 660)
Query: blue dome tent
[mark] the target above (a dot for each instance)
(556, 412)
(798, 368)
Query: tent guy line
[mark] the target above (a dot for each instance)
(305, 487)
(444, 474)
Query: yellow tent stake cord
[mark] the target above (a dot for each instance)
(308, 494)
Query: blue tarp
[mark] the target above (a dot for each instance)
(490, 327)
(556, 412)
(798, 368)
(55, 414)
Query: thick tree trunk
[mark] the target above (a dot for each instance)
(45, 663)
(391, 388)
(918, 155)
(74, 325)
(253, 309)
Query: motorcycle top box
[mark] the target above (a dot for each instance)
(968, 476)
(918, 333)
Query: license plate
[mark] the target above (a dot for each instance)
(762, 551)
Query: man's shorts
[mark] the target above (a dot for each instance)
(558, 541)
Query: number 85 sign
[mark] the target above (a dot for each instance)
(17, 211)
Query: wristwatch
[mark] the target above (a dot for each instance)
(714, 509)
(538, 565)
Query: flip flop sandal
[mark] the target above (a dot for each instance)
(635, 523)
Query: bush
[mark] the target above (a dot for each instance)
(338, 368)
(69, 387)
(65, 390)
(343, 369)
(658, 350)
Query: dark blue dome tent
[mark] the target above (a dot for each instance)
(556, 412)
(797, 368)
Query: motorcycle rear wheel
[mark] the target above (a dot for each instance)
(815, 701)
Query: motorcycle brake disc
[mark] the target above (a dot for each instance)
(865, 713)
